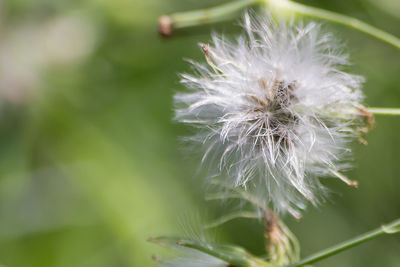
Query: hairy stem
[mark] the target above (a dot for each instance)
(385, 111)
(391, 228)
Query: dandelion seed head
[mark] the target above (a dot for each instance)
(274, 110)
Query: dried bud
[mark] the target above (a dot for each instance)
(165, 26)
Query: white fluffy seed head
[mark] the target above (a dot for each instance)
(274, 110)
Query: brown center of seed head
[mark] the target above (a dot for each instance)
(277, 96)
(269, 110)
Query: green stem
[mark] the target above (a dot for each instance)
(209, 15)
(391, 228)
(228, 10)
(385, 111)
(337, 18)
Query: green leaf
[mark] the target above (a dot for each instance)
(233, 255)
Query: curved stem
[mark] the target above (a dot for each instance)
(208, 15)
(337, 18)
(225, 11)
(385, 111)
(391, 228)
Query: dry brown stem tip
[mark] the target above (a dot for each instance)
(165, 26)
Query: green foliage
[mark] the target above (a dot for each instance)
(234, 255)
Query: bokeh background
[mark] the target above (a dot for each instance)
(90, 162)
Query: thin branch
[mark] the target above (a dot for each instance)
(391, 228)
(385, 111)
(337, 18)
(168, 23)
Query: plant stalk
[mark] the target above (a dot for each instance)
(385, 111)
(337, 18)
(169, 23)
(391, 228)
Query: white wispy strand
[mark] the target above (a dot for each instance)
(274, 110)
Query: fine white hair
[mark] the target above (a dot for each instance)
(274, 110)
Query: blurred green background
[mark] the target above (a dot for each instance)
(91, 164)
